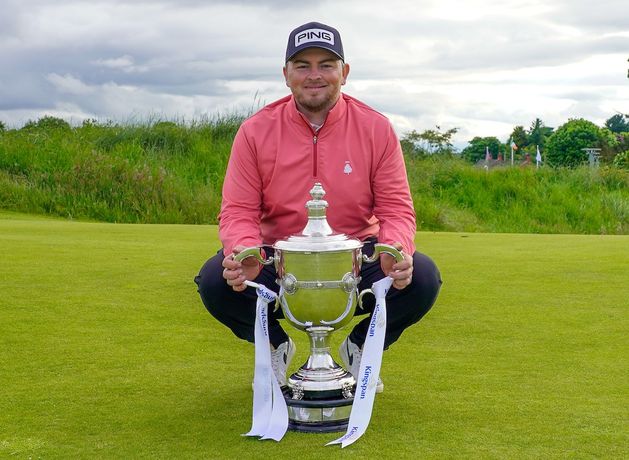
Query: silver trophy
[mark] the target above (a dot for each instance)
(319, 271)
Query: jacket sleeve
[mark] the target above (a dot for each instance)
(393, 204)
(241, 207)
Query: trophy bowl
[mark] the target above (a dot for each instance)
(319, 280)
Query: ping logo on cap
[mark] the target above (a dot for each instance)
(314, 35)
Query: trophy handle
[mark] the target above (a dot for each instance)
(289, 314)
(348, 310)
(360, 297)
(379, 248)
(252, 252)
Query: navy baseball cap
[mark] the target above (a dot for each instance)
(314, 35)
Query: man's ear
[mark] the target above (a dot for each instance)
(285, 72)
(345, 73)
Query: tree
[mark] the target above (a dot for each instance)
(2, 127)
(618, 123)
(478, 146)
(565, 146)
(538, 133)
(428, 142)
(520, 137)
(410, 143)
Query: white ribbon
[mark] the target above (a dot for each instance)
(270, 415)
(370, 363)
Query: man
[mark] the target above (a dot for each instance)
(317, 134)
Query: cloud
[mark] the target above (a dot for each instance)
(69, 84)
(481, 65)
(124, 63)
(605, 16)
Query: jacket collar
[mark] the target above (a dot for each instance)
(336, 113)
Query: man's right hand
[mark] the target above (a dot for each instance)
(235, 273)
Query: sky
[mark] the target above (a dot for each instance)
(481, 66)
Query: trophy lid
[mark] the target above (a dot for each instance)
(317, 235)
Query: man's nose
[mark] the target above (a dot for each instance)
(314, 74)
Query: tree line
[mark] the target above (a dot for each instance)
(563, 146)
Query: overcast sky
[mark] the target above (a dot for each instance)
(482, 66)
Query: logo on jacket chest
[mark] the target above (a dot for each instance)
(348, 168)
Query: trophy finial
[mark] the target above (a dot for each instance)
(317, 223)
(317, 192)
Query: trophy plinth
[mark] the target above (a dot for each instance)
(319, 395)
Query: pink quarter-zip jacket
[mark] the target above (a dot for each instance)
(277, 157)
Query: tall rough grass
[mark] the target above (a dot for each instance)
(452, 195)
(172, 172)
(158, 172)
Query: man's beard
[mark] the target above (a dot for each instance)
(318, 106)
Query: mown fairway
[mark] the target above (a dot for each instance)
(107, 352)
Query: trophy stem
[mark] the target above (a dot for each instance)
(320, 357)
(320, 377)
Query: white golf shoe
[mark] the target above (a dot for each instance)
(351, 354)
(281, 358)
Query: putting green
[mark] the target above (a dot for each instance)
(107, 352)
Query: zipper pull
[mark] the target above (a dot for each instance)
(314, 139)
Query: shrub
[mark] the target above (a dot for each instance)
(47, 123)
(622, 160)
(565, 146)
(478, 148)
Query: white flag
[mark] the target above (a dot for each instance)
(538, 157)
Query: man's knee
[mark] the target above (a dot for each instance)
(210, 283)
(426, 275)
(423, 290)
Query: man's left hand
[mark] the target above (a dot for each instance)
(401, 272)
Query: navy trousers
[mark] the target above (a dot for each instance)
(236, 310)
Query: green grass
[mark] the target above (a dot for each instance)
(451, 195)
(107, 352)
(147, 172)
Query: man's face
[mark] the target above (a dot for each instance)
(315, 77)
